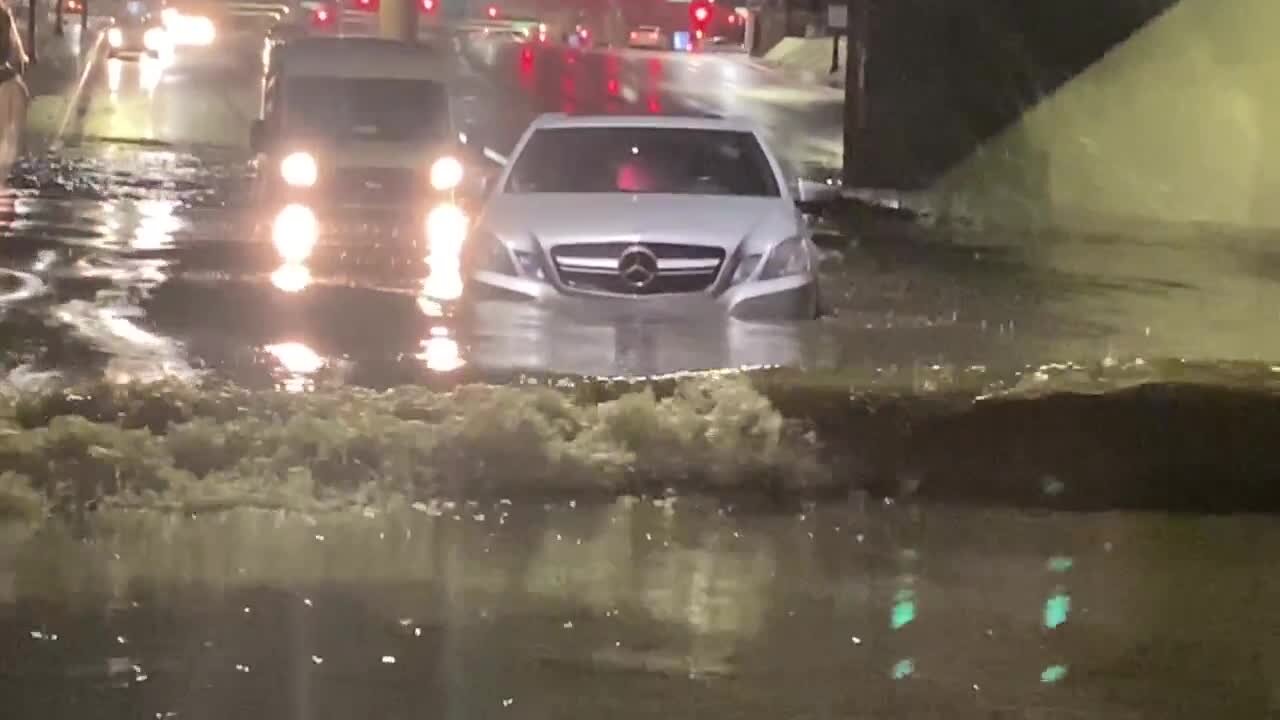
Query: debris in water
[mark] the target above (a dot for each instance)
(508, 702)
(855, 640)
(242, 668)
(417, 632)
(121, 639)
(568, 625)
(307, 602)
(388, 659)
(317, 659)
(405, 622)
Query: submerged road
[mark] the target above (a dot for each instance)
(126, 251)
(639, 610)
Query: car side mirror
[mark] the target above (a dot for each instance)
(258, 136)
(813, 196)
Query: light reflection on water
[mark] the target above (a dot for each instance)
(763, 613)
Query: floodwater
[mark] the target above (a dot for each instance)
(134, 256)
(639, 609)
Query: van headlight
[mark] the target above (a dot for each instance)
(299, 169)
(115, 37)
(446, 173)
(295, 232)
(446, 231)
(787, 258)
(155, 39)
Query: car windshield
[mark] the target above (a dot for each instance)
(675, 161)
(366, 108)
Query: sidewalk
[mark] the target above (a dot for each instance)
(804, 60)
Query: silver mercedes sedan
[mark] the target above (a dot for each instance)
(650, 212)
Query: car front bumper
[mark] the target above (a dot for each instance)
(787, 298)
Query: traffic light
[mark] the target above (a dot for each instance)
(699, 16)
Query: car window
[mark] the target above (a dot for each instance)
(365, 108)
(675, 161)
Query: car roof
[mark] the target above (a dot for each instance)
(363, 57)
(688, 122)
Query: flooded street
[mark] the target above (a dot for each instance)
(640, 608)
(137, 256)
(984, 484)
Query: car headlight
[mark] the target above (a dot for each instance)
(115, 37)
(299, 169)
(155, 39)
(446, 173)
(295, 232)
(446, 231)
(789, 257)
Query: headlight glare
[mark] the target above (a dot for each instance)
(155, 39)
(299, 169)
(787, 258)
(446, 231)
(295, 232)
(115, 37)
(446, 173)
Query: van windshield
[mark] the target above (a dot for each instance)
(378, 109)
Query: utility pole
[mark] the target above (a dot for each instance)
(398, 20)
(855, 88)
(57, 18)
(31, 30)
(84, 21)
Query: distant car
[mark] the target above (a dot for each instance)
(646, 36)
(135, 36)
(694, 210)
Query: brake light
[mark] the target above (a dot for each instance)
(321, 17)
(584, 33)
(428, 5)
(367, 5)
(701, 14)
(492, 11)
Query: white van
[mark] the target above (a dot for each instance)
(353, 124)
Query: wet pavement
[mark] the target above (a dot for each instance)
(638, 609)
(128, 253)
(129, 250)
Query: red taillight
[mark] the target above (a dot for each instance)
(427, 5)
(584, 33)
(701, 14)
(492, 11)
(733, 19)
(321, 17)
(367, 5)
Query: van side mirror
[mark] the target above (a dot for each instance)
(258, 136)
(813, 196)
